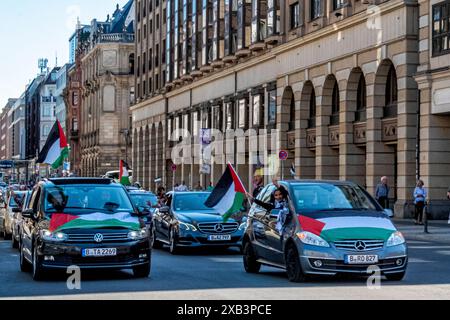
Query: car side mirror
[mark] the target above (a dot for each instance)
(389, 213)
(274, 214)
(29, 214)
(164, 210)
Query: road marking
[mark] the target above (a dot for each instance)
(416, 260)
(429, 247)
(227, 260)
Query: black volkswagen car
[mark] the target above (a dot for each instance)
(187, 222)
(87, 222)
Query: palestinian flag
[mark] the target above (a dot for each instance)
(124, 175)
(56, 149)
(229, 194)
(62, 221)
(346, 226)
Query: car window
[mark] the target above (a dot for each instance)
(86, 198)
(325, 197)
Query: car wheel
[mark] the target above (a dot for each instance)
(14, 243)
(144, 270)
(38, 270)
(396, 276)
(293, 267)
(251, 264)
(24, 264)
(173, 243)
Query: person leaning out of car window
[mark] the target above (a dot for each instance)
(420, 198)
(278, 201)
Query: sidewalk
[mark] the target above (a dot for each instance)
(439, 231)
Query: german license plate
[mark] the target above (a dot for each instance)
(106, 252)
(361, 259)
(220, 238)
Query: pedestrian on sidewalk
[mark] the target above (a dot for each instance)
(258, 184)
(420, 198)
(382, 193)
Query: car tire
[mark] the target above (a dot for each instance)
(14, 243)
(25, 266)
(251, 264)
(144, 270)
(293, 266)
(37, 270)
(395, 276)
(173, 249)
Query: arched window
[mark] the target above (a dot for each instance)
(390, 107)
(361, 100)
(312, 110)
(335, 105)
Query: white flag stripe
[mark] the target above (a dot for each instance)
(121, 216)
(54, 153)
(227, 201)
(357, 222)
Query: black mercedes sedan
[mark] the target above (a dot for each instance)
(187, 222)
(87, 222)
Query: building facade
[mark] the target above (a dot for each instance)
(354, 90)
(106, 86)
(60, 94)
(17, 129)
(5, 136)
(47, 108)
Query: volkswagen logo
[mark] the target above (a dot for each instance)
(219, 228)
(98, 238)
(360, 245)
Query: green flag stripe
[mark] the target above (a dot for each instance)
(340, 234)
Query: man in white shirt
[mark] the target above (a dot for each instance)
(183, 187)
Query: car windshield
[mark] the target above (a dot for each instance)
(191, 202)
(14, 198)
(144, 200)
(86, 199)
(328, 197)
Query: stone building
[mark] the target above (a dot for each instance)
(107, 83)
(350, 86)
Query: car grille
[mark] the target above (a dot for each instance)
(89, 237)
(212, 228)
(351, 245)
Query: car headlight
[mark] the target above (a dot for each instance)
(312, 239)
(396, 239)
(187, 227)
(138, 235)
(243, 226)
(53, 236)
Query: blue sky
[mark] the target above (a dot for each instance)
(31, 29)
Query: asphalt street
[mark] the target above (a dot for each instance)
(219, 275)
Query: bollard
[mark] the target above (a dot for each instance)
(425, 217)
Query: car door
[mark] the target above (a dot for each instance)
(160, 221)
(29, 224)
(259, 224)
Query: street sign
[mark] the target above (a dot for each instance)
(6, 164)
(284, 155)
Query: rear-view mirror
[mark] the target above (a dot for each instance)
(389, 213)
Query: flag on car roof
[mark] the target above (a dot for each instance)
(229, 194)
(56, 149)
(124, 175)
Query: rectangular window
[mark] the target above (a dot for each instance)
(337, 4)
(441, 28)
(229, 114)
(294, 10)
(316, 9)
(195, 124)
(243, 114)
(257, 110)
(272, 108)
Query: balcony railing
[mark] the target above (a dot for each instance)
(116, 37)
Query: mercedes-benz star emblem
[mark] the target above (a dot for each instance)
(219, 228)
(360, 246)
(98, 238)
